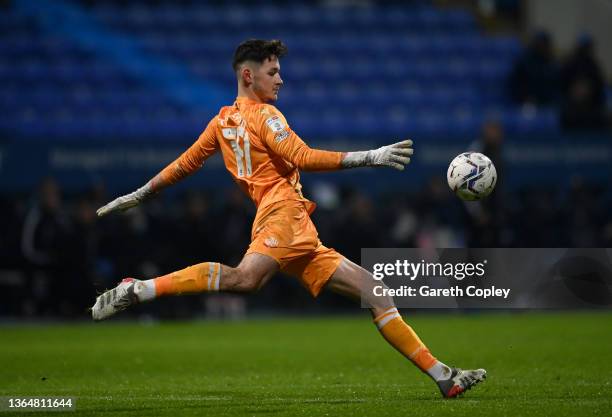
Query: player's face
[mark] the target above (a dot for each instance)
(267, 80)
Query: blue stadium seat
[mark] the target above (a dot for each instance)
(406, 67)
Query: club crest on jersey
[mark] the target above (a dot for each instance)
(275, 123)
(236, 118)
(281, 136)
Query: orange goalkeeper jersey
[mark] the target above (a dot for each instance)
(259, 149)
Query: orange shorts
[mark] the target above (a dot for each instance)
(284, 231)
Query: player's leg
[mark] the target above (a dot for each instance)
(252, 273)
(355, 282)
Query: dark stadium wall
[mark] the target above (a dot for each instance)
(531, 161)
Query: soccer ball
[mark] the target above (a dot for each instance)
(471, 176)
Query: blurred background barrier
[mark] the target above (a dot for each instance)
(123, 165)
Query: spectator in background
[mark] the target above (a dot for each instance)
(44, 242)
(439, 212)
(193, 234)
(491, 141)
(535, 77)
(356, 225)
(583, 89)
(234, 222)
(82, 245)
(585, 215)
(488, 218)
(236, 230)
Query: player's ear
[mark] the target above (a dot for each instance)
(246, 75)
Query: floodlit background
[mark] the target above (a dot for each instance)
(98, 96)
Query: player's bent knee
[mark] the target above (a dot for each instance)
(376, 303)
(244, 280)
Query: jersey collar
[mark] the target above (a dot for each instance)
(246, 100)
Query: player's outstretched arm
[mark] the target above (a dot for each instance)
(293, 149)
(396, 155)
(127, 201)
(286, 143)
(190, 161)
(177, 170)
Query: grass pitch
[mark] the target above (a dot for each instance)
(538, 364)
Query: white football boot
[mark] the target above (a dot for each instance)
(115, 300)
(460, 381)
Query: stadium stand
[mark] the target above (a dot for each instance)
(157, 69)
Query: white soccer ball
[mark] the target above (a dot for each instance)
(471, 176)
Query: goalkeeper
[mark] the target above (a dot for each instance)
(264, 157)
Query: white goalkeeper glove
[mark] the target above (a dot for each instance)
(127, 201)
(395, 156)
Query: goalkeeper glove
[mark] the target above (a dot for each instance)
(127, 201)
(395, 156)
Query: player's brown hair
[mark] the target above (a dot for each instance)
(257, 50)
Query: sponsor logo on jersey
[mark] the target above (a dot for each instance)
(271, 242)
(281, 136)
(229, 133)
(275, 123)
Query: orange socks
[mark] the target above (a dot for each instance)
(196, 278)
(404, 339)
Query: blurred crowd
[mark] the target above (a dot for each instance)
(576, 84)
(55, 254)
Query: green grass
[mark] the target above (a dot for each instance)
(538, 364)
